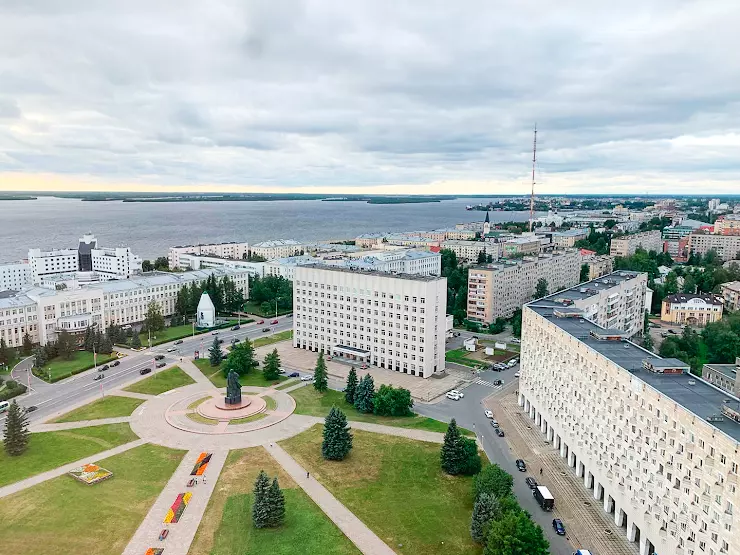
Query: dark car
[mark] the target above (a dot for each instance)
(31, 408)
(500, 432)
(293, 375)
(265, 329)
(235, 341)
(115, 363)
(159, 357)
(237, 327)
(498, 382)
(145, 371)
(103, 368)
(674, 332)
(521, 465)
(531, 482)
(557, 524)
(178, 342)
(161, 364)
(99, 377)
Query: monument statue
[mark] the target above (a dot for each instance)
(233, 389)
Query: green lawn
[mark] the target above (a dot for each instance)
(460, 356)
(65, 516)
(270, 402)
(290, 382)
(246, 419)
(106, 407)
(396, 487)
(172, 378)
(60, 369)
(274, 338)
(226, 527)
(48, 450)
(195, 417)
(252, 308)
(216, 375)
(311, 402)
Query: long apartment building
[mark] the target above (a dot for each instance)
(231, 250)
(43, 313)
(598, 265)
(15, 276)
(727, 225)
(627, 245)
(724, 376)
(390, 321)
(277, 249)
(468, 251)
(614, 301)
(498, 289)
(657, 446)
(187, 261)
(727, 247)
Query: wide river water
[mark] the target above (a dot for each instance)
(151, 228)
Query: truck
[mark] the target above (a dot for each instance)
(544, 497)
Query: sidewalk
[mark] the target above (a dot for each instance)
(59, 471)
(187, 366)
(181, 533)
(56, 427)
(359, 534)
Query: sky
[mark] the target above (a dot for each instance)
(378, 96)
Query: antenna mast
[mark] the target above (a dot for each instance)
(531, 198)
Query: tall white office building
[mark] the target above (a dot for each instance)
(390, 321)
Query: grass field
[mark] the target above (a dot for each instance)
(106, 407)
(195, 417)
(311, 402)
(291, 383)
(396, 487)
(247, 419)
(270, 402)
(226, 527)
(65, 516)
(460, 356)
(180, 332)
(59, 368)
(274, 338)
(171, 378)
(216, 375)
(252, 308)
(48, 450)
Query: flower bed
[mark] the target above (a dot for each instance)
(154, 551)
(178, 507)
(201, 464)
(90, 474)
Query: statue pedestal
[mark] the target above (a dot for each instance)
(223, 405)
(216, 408)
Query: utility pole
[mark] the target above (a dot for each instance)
(531, 198)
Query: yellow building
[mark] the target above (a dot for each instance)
(691, 310)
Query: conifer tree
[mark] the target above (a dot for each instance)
(16, 434)
(351, 387)
(215, 355)
(365, 394)
(135, 341)
(276, 504)
(27, 344)
(319, 375)
(260, 505)
(453, 450)
(486, 508)
(271, 366)
(337, 436)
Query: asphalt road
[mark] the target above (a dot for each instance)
(52, 398)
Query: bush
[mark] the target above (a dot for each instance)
(391, 401)
(12, 389)
(494, 481)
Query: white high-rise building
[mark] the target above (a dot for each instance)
(391, 321)
(658, 446)
(15, 276)
(44, 263)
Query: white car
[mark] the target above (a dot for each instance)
(453, 396)
(214, 333)
(517, 341)
(172, 349)
(516, 375)
(306, 378)
(489, 414)
(458, 393)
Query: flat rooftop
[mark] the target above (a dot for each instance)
(588, 289)
(689, 391)
(729, 370)
(354, 270)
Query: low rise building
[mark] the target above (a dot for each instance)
(598, 265)
(730, 292)
(727, 247)
(396, 322)
(727, 225)
(468, 251)
(567, 238)
(15, 275)
(691, 310)
(498, 289)
(276, 249)
(723, 376)
(627, 245)
(414, 241)
(198, 262)
(369, 240)
(520, 246)
(232, 250)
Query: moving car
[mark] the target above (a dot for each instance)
(489, 414)
(453, 396)
(557, 524)
(178, 342)
(294, 375)
(214, 332)
(261, 322)
(274, 322)
(500, 432)
(582, 552)
(363, 367)
(265, 329)
(161, 364)
(521, 465)
(115, 363)
(544, 498)
(31, 408)
(235, 341)
(145, 371)
(498, 382)
(236, 327)
(103, 368)
(456, 392)
(516, 374)
(159, 357)
(172, 349)
(306, 378)
(531, 482)
(99, 377)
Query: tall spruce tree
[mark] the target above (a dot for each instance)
(486, 509)
(471, 461)
(453, 450)
(16, 434)
(365, 394)
(276, 504)
(337, 436)
(106, 345)
(271, 366)
(215, 355)
(27, 344)
(5, 354)
(351, 388)
(89, 340)
(319, 374)
(260, 505)
(135, 341)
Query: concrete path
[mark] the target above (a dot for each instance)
(51, 427)
(193, 371)
(181, 533)
(295, 386)
(419, 435)
(44, 476)
(359, 534)
(122, 393)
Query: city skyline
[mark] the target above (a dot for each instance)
(370, 98)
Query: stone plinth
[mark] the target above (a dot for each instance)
(216, 408)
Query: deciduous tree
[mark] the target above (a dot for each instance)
(515, 534)
(27, 344)
(65, 345)
(241, 359)
(493, 480)
(153, 321)
(540, 290)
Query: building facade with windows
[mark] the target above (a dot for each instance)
(44, 263)
(727, 247)
(658, 447)
(18, 316)
(15, 276)
(730, 292)
(627, 245)
(202, 262)
(691, 310)
(598, 265)
(231, 250)
(469, 251)
(723, 376)
(727, 225)
(276, 249)
(391, 321)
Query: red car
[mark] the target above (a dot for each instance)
(274, 322)
(261, 322)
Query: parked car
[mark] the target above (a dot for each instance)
(236, 327)
(329, 357)
(145, 371)
(363, 367)
(453, 396)
(161, 364)
(517, 341)
(516, 374)
(494, 423)
(103, 368)
(265, 329)
(159, 357)
(664, 335)
(674, 332)
(260, 322)
(557, 524)
(456, 392)
(306, 378)
(521, 465)
(500, 432)
(163, 534)
(498, 382)
(178, 342)
(220, 341)
(294, 375)
(531, 482)
(489, 414)
(115, 363)
(99, 377)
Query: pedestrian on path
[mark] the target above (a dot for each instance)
(540, 471)
(307, 475)
(204, 477)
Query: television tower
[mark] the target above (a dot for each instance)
(531, 198)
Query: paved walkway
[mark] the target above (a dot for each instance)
(44, 476)
(181, 533)
(193, 371)
(122, 393)
(51, 427)
(364, 538)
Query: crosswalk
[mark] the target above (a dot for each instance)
(481, 381)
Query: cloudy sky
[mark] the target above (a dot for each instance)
(370, 96)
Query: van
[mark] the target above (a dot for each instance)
(4, 406)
